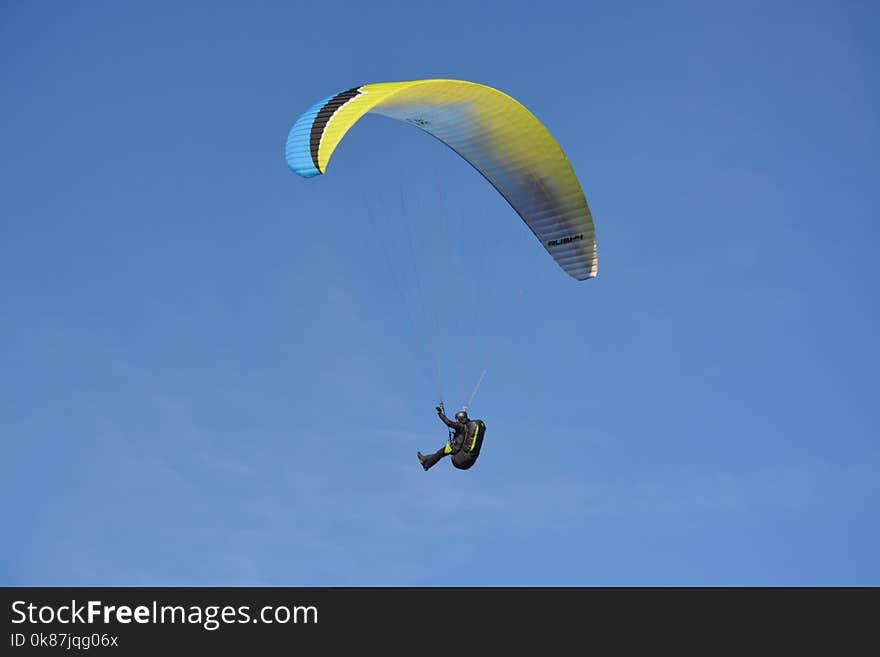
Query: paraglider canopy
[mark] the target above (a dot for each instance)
(496, 134)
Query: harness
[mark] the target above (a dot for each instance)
(474, 440)
(468, 438)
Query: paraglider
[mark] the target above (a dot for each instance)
(503, 141)
(465, 441)
(495, 133)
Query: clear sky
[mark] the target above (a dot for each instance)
(208, 377)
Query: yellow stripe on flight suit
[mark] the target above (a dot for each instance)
(476, 433)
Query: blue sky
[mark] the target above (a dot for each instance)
(207, 375)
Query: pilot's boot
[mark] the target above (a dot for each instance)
(430, 460)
